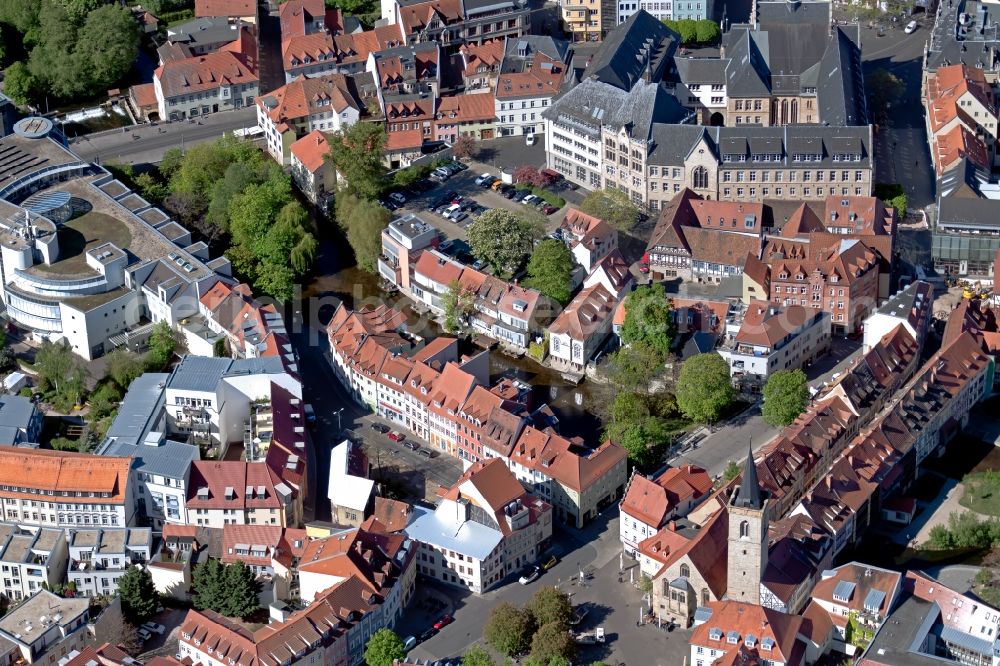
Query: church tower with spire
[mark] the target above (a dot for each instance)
(747, 537)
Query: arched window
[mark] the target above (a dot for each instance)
(685, 571)
(700, 178)
(744, 530)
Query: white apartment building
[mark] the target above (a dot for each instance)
(41, 488)
(531, 74)
(99, 557)
(772, 338)
(484, 528)
(46, 625)
(287, 114)
(910, 308)
(30, 560)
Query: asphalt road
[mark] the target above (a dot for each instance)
(147, 143)
(901, 150)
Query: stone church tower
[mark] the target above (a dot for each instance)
(747, 538)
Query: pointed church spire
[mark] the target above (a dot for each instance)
(749, 495)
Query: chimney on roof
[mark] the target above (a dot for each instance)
(672, 526)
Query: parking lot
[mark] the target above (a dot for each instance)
(463, 188)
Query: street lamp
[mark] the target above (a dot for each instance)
(338, 419)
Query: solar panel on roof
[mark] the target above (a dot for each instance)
(873, 600)
(843, 591)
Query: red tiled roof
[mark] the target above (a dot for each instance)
(206, 72)
(651, 501)
(535, 81)
(947, 85)
(750, 620)
(568, 463)
(311, 150)
(61, 471)
(585, 313)
(227, 8)
(465, 109)
(304, 97)
(956, 144)
(489, 54)
(405, 140)
(227, 483)
(393, 515)
(416, 17)
(766, 324)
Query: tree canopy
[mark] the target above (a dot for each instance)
(509, 629)
(552, 641)
(383, 648)
(649, 320)
(363, 221)
(502, 239)
(477, 656)
(356, 153)
(704, 389)
(690, 31)
(550, 270)
(786, 395)
(162, 343)
(62, 376)
(550, 604)
(612, 206)
(458, 303)
(138, 594)
(76, 48)
(229, 589)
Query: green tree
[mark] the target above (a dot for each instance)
(885, 92)
(502, 239)
(550, 604)
(384, 648)
(406, 177)
(287, 252)
(241, 590)
(150, 187)
(237, 178)
(19, 84)
(104, 400)
(221, 348)
(356, 153)
(477, 656)
(123, 367)
(704, 388)
(509, 629)
(108, 44)
(162, 343)
(52, 61)
(458, 303)
(54, 362)
(171, 162)
(22, 16)
(550, 270)
(649, 320)
(707, 31)
(612, 206)
(643, 439)
(786, 395)
(552, 640)
(633, 368)
(686, 29)
(79, 9)
(138, 594)
(363, 222)
(732, 470)
(209, 585)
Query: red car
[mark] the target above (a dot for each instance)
(443, 622)
(396, 436)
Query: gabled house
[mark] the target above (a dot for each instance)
(650, 504)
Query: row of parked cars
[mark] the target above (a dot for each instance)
(514, 193)
(457, 208)
(399, 198)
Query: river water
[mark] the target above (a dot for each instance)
(580, 409)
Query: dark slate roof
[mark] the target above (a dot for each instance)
(747, 73)
(963, 213)
(976, 48)
(965, 179)
(556, 49)
(641, 45)
(591, 104)
(782, 12)
(840, 90)
(698, 70)
(749, 495)
(672, 143)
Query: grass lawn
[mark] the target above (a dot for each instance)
(81, 234)
(981, 493)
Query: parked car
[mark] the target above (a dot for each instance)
(529, 139)
(509, 193)
(451, 195)
(461, 166)
(443, 622)
(427, 635)
(397, 436)
(528, 199)
(485, 180)
(154, 628)
(398, 197)
(498, 185)
(519, 195)
(910, 27)
(144, 635)
(452, 210)
(529, 575)
(459, 216)
(551, 562)
(413, 446)
(581, 612)
(409, 643)
(548, 209)
(388, 204)
(426, 453)
(378, 427)
(479, 264)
